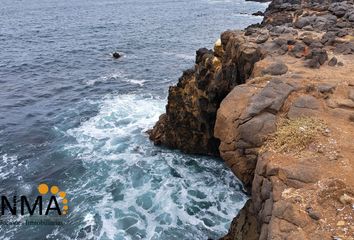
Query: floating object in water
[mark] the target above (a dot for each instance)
(116, 55)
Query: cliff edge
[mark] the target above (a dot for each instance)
(276, 102)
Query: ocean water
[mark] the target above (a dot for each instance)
(72, 116)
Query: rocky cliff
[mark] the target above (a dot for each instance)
(276, 102)
(191, 110)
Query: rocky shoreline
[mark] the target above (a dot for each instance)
(276, 102)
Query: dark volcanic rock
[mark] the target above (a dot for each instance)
(278, 30)
(326, 88)
(116, 55)
(308, 28)
(333, 61)
(297, 50)
(342, 32)
(200, 53)
(276, 69)
(317, 57)
(258, 13)
(328, 38)
(338, 8)
(316, 44)
(350, 15)
(344, 48)
(304, 21)
(321, 54)
(313, 214)
(313, 63)
(324, 22)
(308, 40)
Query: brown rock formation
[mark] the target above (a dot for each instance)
(290, 196)
(282, 119)
(191, 110)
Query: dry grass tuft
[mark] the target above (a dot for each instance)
(295, 135)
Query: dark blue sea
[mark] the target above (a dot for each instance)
(74, 117)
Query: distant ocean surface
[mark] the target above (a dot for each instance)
(72, 116)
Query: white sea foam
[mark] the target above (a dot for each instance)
(185, 56)
(10, 167)
(180, 55)
(116, 76)
(147, 192)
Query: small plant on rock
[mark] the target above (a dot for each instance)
(295, 135)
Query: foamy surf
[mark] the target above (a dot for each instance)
(116, 76)
(134, 190)
(188, 57)
(11, 167)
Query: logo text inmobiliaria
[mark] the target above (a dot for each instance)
(53, 202)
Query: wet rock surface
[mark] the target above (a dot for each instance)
(258, 13)
(116, 55)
